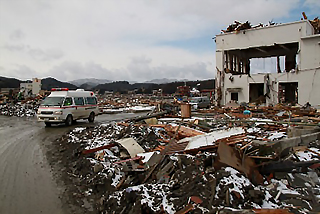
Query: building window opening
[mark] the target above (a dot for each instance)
(277, 58)
(256, 93)
(288, 93)
(268, 65)
(234, 96)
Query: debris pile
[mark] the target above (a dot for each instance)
(173, 165)
(128, 103)
(28, 109)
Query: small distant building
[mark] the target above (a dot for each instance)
(107, 93)
(208, 93)
(299, 82)
(26, 88)
(194, 92)
(157, 92)
(36, 86)
(183, 91)
(31, 88)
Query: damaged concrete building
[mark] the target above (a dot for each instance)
(296, 43)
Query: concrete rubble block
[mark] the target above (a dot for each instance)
(296, 131)
(303, 180)
(131, 146)
(281, 145)
(151, 121)
(155, 158)
(98, 167)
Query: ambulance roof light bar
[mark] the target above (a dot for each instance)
(60, 89)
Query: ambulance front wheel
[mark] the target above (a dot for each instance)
(91, 117)
(69, 120)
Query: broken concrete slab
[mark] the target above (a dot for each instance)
(279, 146)
(210, 138)
(131, 146)
(296, 131)
(303, 179)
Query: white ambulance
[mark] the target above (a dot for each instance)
(65, 106)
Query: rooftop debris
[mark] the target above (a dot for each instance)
(238, 26)
(219, 160)
(315, 23)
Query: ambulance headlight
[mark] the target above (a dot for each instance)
(58, 112)
(39, 112)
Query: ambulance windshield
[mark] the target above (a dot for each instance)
(52, 101)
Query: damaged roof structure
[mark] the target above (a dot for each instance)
(297, 42)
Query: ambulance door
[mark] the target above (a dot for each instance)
(68, 107)
(91, 105)
(80, 107)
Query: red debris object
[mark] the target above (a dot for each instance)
(315, 166)
(186, 209)
(271, 211)
(88, 151)
(196, 199)
(131, 159)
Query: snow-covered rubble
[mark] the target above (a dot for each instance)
(119, 183)
(19, 110)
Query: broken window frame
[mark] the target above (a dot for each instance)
(237, 62)
(282, 92)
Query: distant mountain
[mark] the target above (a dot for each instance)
(147, 88)
(161, 81)
(9, 82)
(49, 83)
(87, 86)
(92, 82)
(114, 86)
(165, 80)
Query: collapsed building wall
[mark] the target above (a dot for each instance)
(295, 42)
(307, 84)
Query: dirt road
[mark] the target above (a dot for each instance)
(27, 184)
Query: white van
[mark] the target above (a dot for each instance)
(65, 106)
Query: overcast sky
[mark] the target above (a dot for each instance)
(135, 40)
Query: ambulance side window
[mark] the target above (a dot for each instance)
(91, 100)
(79, 101)
(67, 101)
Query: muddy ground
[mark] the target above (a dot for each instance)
(31, 168)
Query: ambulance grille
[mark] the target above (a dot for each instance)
(46, 112)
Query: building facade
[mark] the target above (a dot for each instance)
(31, 88)
(298, 82)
